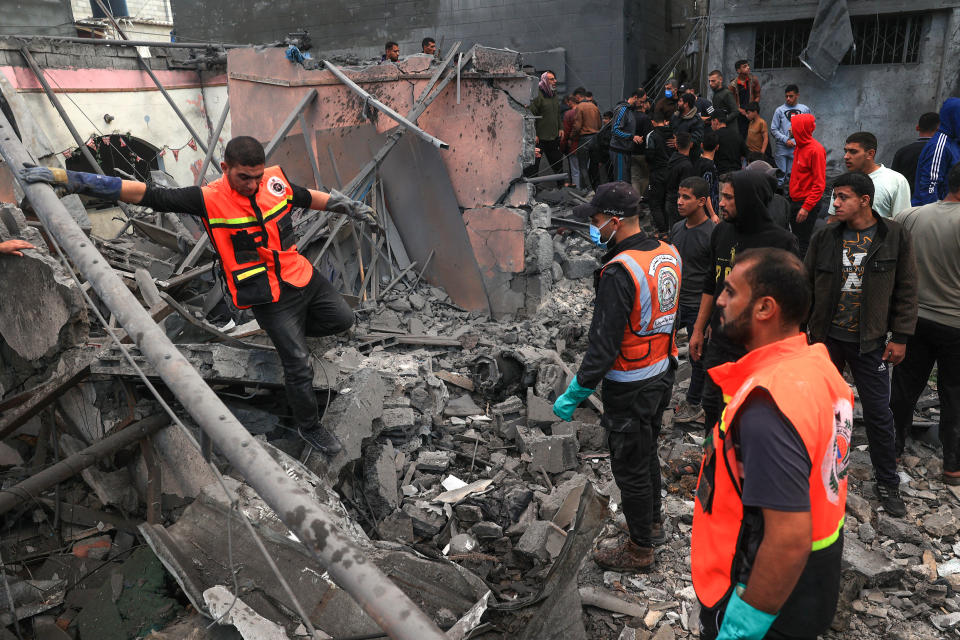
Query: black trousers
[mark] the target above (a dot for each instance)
(632, 414)
(657, 199)
(932, 343)
(590, 155)
(872, 377)
(715, 353)
(803, 230)
(549, 149)
(315, 310)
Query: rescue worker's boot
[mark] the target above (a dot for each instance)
(627, 556)
(322, 440)
(658, 534)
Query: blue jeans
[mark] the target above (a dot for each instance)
(784, 159)
(872, 377)
(688, 317)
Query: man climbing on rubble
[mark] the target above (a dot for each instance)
(769, 508)
(632, 350)
(248, 217)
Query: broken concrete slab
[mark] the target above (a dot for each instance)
(555, 454)
(578, 266)
(226, 609)
(874, 568)
(542, 540)
(352, 417)
(380, 478)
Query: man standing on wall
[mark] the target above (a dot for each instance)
(248, 215)
(391, 52)
(781, 130)
(429, 46)
(548, 126)
(745, 89)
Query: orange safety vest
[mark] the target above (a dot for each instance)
(648, 337)
(254, 238)
(807, 389)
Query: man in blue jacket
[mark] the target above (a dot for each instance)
(941, 152)
(624, 135)
(781, 132)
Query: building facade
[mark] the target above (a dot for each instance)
(904, 62)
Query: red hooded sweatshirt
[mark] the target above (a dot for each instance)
(809, 175)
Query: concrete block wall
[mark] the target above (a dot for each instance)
(592, 33)
(153, 10)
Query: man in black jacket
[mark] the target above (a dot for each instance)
(658, 157)
(678, 167)
(744, 202)
(687, 120)
(632, 350)
(906, 158)
(864, 278)
(732, 149)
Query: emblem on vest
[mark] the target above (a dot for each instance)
(837, 457)
(276, 187)
(667, 288)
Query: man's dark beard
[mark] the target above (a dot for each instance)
(738, 330)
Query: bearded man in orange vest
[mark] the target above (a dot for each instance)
(632, 350)
(248, 215)
(769, 509)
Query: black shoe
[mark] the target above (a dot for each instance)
(889, 495)
(658, 533)
(322, 440)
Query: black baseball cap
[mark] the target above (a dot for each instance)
(616, 199)
(584, 211)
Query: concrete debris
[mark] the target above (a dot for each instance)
(455, 476)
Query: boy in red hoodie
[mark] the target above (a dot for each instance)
(808, 179)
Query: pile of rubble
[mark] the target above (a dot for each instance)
(455, 478)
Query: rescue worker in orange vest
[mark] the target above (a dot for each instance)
(769, 508)
(248, 216)
(632, 350)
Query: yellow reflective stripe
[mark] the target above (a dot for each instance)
(830, 539)
(252, 272)
(277, 208)
(246, 220)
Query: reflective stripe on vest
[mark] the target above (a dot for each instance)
(254, 238)
(648, 337)
(816, 401)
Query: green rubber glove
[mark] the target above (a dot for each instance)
(743, 622)
(571, 398)
(92, 184)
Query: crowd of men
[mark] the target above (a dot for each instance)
(779, 294)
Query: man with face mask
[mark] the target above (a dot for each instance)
(632, 350)
(248, 216)
(744, 208)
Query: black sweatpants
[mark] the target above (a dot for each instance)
(315, 310)
(632, 414)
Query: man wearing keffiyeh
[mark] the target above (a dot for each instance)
(548, 127)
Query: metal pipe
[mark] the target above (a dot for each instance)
(156, 80)
(330, 547)
(128, 43)
(384, 108)
(212, 145)
(55, 101)
(72, 465)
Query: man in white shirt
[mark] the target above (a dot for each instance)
(892, 190)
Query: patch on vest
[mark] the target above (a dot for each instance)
(667, 288)
(833, 469)
(276, 186)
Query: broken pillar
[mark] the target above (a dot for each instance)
(497, 238)
(380, 478)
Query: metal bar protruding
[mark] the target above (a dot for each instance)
(317, 531)
(160, 44)
(384, 108)
(291, 120)
(55, 101)
(71, 466)
(212, 145)
(156, 80)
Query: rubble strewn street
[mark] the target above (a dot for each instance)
(158, 479)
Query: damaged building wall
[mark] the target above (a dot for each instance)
(599, 45)
(885, 99)
(94, 82)
(45, 17)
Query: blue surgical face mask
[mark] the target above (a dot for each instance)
(668, 93)
(595, 235)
